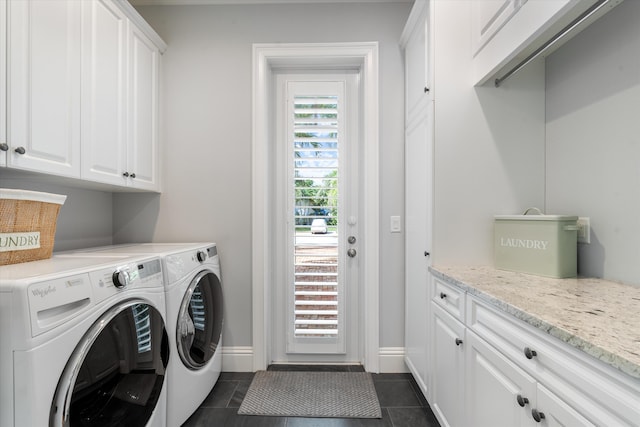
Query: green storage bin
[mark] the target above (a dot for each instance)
(545, 245)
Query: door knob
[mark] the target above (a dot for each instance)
(351, 252)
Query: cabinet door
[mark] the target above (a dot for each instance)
(43, 86)
(142, 164)
(498, 393)
(551, 411)
(4, 146)
(448, 358)
(104, 93)
(417, 67)
(488, 16)
(418, 187)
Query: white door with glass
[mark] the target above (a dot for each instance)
(316, 299)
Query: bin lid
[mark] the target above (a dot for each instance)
(535, 217)
(36, 196)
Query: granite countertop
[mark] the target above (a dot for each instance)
(599, 317)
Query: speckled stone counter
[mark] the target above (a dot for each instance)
(599, 317)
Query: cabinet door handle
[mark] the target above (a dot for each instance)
(458, 341)
(529, 354)
(133, 175)
(20, 150)
(4, 147)
(522, 401)
(538, 416)
(443, 295)
(426, 89)
(125, 174)
(426, 253)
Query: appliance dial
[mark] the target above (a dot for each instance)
(201, 256)
(121, 278)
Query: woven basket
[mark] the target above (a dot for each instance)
(28, 222)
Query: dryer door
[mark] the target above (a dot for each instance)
(115, 375)
(199, 326)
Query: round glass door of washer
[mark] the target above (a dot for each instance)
(116, 373)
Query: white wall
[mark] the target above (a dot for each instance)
(489, 144)
(593, 140)
(207, 137)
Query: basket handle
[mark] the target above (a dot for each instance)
(539, 212)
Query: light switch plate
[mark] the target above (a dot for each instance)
(395, 224)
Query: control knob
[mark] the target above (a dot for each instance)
(201, 256)
(121, 278)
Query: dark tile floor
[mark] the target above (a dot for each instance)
(400, 399)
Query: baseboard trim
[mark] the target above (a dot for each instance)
(392, 360)
(237, 359)
(240, 359)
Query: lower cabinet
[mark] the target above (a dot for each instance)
(554, 412)
(498, 393)
(490, 369)
(448, 374)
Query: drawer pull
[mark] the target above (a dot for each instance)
(4, 147)
(458, 341)
(522, 401)
(538, 416)
(20, 150)
(529, 354)
(443, 295)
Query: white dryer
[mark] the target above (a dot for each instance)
(195, 311)
(83, 342)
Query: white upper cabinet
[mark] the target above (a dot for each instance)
(415, 42)
(43, 94)
(104, 93)
(489, 16)
(507, 32)
(80, 97)
(4, 146)
(142, 147)
(119, 100)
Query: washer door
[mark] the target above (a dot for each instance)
(115, 374)
(199, 326)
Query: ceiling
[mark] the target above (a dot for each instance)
(237, 2)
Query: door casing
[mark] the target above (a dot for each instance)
(267, 58)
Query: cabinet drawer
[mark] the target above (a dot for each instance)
(449, 297)
(604, 395)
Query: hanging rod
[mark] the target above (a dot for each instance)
(566, 30)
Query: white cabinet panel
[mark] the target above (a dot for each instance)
(498, 393)
(488, 17)
(142, 164)
(120, 96)
(418, 187)
(553, 412)
(104, 87)
(418, 192)
(43, 90)
(449, 368)
(506, 32)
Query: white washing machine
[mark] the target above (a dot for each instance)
(195, 312)
(83, 342)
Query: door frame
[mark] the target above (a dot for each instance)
(266, 58)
